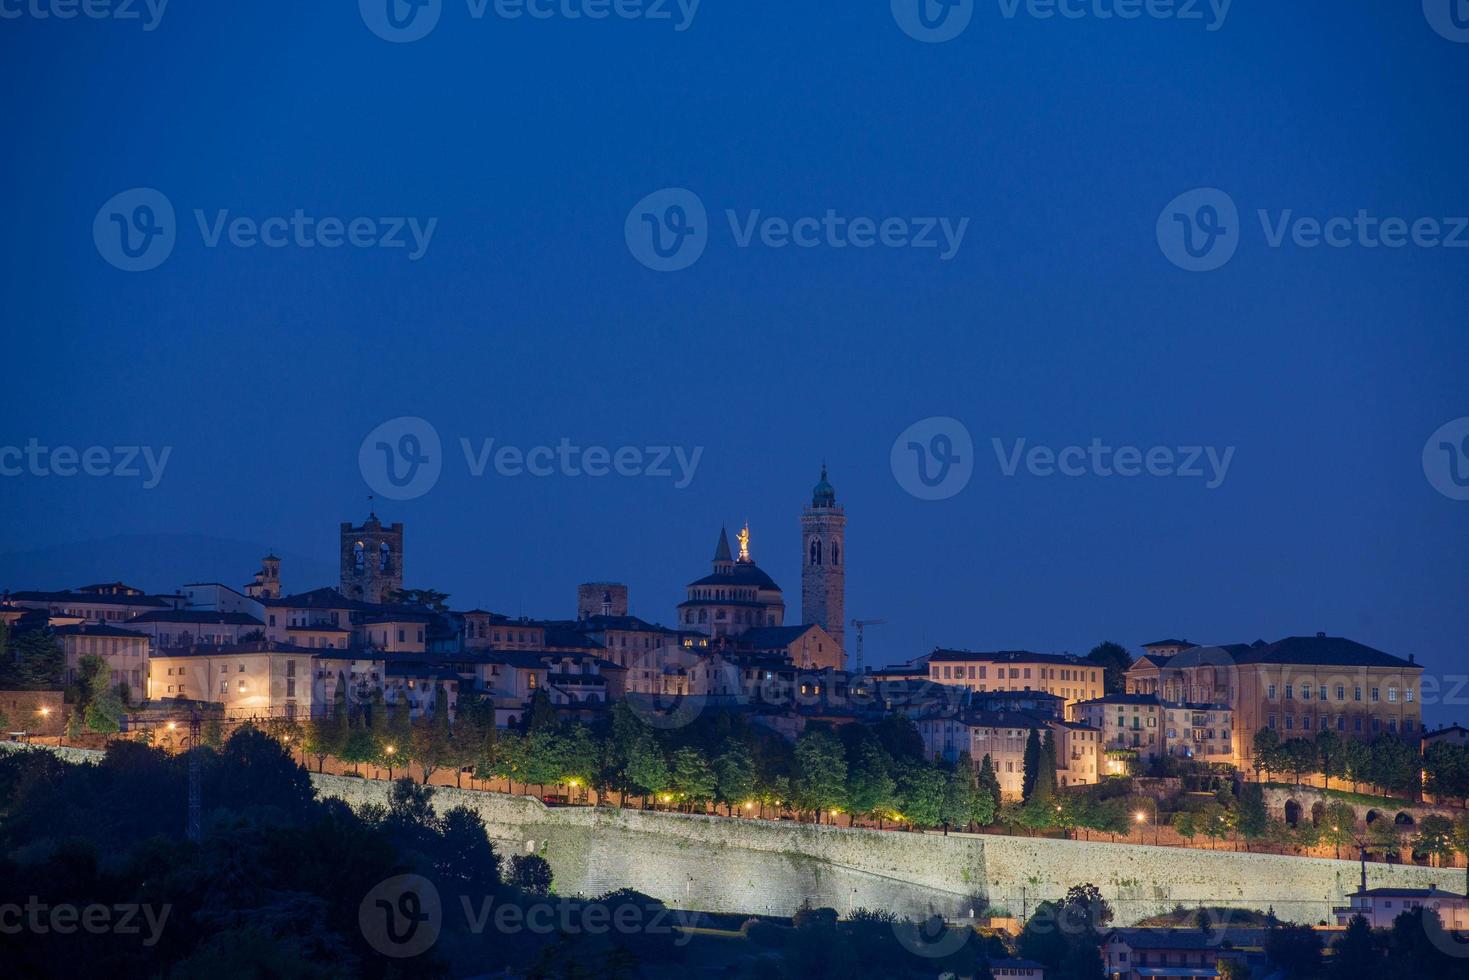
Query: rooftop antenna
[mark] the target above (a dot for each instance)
(861, 624)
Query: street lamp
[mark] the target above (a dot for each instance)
(388, 751)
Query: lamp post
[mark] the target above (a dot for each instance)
(388, 751)
(1142, 820)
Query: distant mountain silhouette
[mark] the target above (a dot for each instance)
(156, 563)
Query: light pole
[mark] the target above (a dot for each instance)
(388, 751)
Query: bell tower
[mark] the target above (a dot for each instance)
(372, 560)
(823, 561)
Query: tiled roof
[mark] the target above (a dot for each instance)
(197, 616)
(89, 599)
(943, 655)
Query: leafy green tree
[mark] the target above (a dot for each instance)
(734, 775)
(360, 746)
(1384, 837)
(871, 789)
(429, 737)
(37, 661)
(1253, 819)
(647, 768)
(821, 772)
(1395, 766)
(1217, 822)
(1446, 772)
(104, 708)
(427, 598)
(1186, 825)
(1339, 826)
(959, 795)
(989, 784)
(693, 776)
(542, 713)
(1114, 660)
(1266, 756)
(1032, 762)
(1435, 838)
(212, 734)
(921, 790)
(1296, 950)
(1329, 759)
(581, 756)
(543, 761)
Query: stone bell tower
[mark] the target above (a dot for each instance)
(823, 562)
(372, 560)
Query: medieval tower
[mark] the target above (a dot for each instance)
(823, 572)
(372, 560)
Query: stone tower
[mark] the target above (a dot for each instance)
(372, 560)
(601, 599)
(823, 562)
(267, 584)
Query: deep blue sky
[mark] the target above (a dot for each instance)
(528, 320)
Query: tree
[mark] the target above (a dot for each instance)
(1383, 836)
(1299, 756)
(1339, 826)
(1446, 768)
(581, 756)
(734, 775)
(647, 768)
(359, 746)
(921, 790)
(1252, 818)
(821, 772)
(1034, 752)
(1186, 824)
(989, 783)
(104, 710)
(37, 661)
(959, 795)
(1435, 838)
(531, 873)
(429, 737)
(1395, 767)
(1216, 822)
(427, 598)
(1329, 759)
(693, 777)
(1355, 954)
(212, 734)
(1266, 756)
(542, 713)
(1296, 950)
(1114, 660)
(871, 788)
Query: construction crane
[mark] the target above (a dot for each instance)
(195, 778)
(861, 624)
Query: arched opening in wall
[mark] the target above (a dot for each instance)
(1292, 813)
(1404, 820)
(1318, 813)
(1372, 817)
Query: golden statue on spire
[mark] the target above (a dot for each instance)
(744, 539)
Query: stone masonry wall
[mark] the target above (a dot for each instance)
(761, 866)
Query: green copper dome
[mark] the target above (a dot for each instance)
(825, 494)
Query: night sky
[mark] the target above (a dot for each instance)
(527, 319)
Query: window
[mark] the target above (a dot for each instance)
(1305, 692)
(1321, 694)
(1376, 696)
(1356, 694)
(224, 687)
(1392, 694)
(1407, 694)
(1272, 692)
(1341, 692)
(1290, 692)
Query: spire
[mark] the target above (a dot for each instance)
(721, 551)
(824, 495)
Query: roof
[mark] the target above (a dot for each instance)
(1309, 651)
(324, 598)
(1186, 938)
(88, 598)
(943, 655)
(1139, 699)
(1168, 643)
(823, 494)
(745, 573)
(98, 629)
(420, 670)
(770, 637)
(1407, 893)
(200, 616)
(721, 550)
(598, 624)
(241, 649)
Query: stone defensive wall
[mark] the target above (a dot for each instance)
(772, 867)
